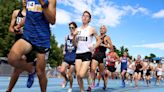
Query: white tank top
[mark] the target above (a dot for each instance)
(84, 40)
(159, 71)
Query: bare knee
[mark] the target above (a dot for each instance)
(81, 75)
(18, 71)
(122, 74)
(40, 72)
(62, 70)
(135, 77)
(13, 59)
(69, 75)
(93, 70)
(102, 69)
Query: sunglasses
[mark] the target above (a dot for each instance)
(71, 28)
(102, 28)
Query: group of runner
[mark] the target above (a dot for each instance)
(86, 58)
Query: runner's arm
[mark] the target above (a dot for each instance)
(143, 66)
(109, 44)
(49, 10)
(117, 57)
(74, 38)
(133, 67)
(119, 61)
(21, 24)
(64, 47)
(13, 20)
(98, 40)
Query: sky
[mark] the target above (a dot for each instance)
(135, 24)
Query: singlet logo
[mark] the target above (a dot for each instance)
(31, 6)
(124, 60)
(81, 38)
(18, 20)
(70, 46)
(78, 32)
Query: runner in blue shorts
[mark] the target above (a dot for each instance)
(124, 65)
(17, 16)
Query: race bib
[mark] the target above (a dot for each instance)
(31, 6)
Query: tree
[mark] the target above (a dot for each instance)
(147, 57)
(6, 38)
(117, 51)
(56, 53)
(121, 51)
(152, 55)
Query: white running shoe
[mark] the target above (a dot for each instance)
(131, 84)
(70, 90)
(64, 84)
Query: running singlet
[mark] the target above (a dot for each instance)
(124, 62)
(130, 69)
(159, 71)
(18, 20)
(138, 65)
(148, 71)
(110, 61)
(36, 28)
(70, 50)
(84, 40)
(101, 49)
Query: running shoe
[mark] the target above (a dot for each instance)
(92, 85)
(123, 84)
(97, 85)
(64, 84)
(131, 84)
(104, 88)
(70, 90)
(157, 84)
(30, 80)
(89, 89)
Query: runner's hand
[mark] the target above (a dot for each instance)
(16, 28)
(20, 32)
(41, 2)
(103, 45)
(75, 33)
(92, 49)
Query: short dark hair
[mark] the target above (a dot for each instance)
(88, 13)
(73, 23)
